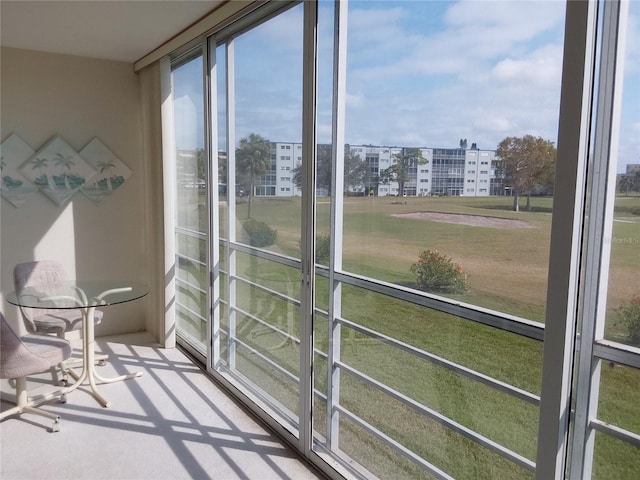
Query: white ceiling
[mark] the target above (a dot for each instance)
(114, 30)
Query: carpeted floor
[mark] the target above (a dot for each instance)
(171, 423)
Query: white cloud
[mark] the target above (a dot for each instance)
(483, 71)
(355, 100)
(541, 68)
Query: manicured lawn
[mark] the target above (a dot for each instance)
(507, 272)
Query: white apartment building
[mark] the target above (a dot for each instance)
(445, 171)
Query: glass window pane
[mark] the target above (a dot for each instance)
(430, 102)
(619, 384)
(623, 314)
(613, 458)
(260, 208)
(442, 99)
(191, 202)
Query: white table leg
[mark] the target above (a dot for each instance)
(88, 359)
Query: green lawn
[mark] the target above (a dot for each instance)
(507, 268)
(507, 271)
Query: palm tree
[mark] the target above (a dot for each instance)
(40, 163)
(253, 158)
(107, 166)
(64, 162)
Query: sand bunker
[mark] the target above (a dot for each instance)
(471, 220)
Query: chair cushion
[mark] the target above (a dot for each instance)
(54, 321)
(46, 274)
(52, 349)
(22, 356)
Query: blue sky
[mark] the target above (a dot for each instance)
(423, 73)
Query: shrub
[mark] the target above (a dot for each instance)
(629, 313)
(323, 248)
(437, 272)
(259, 233)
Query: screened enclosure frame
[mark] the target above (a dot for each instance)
(574, 343)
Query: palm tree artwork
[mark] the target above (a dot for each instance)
(14, 187)
(111, 171)
(107, 166)
(40, 164)
(63, 162)
(64, 169)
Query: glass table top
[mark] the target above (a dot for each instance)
(79, 293)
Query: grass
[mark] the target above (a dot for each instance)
(507, 271)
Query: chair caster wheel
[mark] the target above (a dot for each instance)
(63, 399)
(102, 363)
(63, 383)
(55, 427)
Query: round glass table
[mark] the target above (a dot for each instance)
(85, 296)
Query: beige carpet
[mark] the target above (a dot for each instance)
(171, 423)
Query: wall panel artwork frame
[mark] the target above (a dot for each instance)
(111, 171)
(58, 170)
(14, 186)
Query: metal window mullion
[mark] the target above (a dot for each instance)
(334, 329)
(277, 367)
(510, 323)
(266, 255)
(308, 224)
(186, 284)
(397, 446)
(170, 199)
(618, 353)
(444, 363)
(268, 291)
(231, 201)
(441, 419)
(621, 434)
(288, 336)
(599, 228)
(566, 234)
(213, 337)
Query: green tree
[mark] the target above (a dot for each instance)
(629, 182)
(201, 165)
(525, 163)
(355, 169)
(399, 171)
(253, 158)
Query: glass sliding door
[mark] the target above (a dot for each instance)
(606, 428)
(440, 232)
(191, 197)
(258, 85)
(365, 216)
